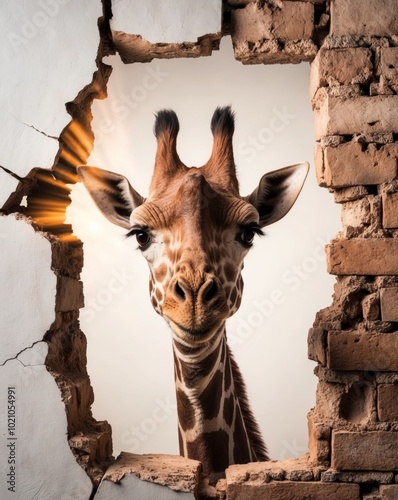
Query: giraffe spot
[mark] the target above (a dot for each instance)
(229, 271)
(159, 294)
(211, 396)
(229, 407)
(185, 408)
(150, 286)
(211, 449)
(154, 301)
(160, 273)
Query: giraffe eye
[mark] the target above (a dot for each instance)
(246, 236)
(142, 238)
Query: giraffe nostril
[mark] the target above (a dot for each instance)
(211, 291)
(179, 291)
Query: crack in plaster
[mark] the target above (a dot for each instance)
(13, 174)
(31, 126)
(21, 352)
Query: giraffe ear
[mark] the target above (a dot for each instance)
(277, 191)
(112, 194)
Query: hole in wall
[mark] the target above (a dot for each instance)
(130, 359)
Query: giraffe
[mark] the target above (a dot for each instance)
(194, 229)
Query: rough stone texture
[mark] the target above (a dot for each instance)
(292, 490)
(317, 345)
(350, 450)
(376, 256)
(371, 307)
(350, 18)
(357, 477)
(389, 492)
(340, 67)
(390, 210)
(361, 114)
(389, 304)
(175, 472)
(351, 193)
(350, 350)
(266, 34)
(387, 402)
(318, 442)
(367, 165)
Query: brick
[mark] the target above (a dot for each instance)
(340, 67)
(390, 210)
(357, 477)
(356, 213)
(350, 350)
(389, 492)
(351, 164)
(362, 256)
(375, 450)
(388, 66)
(316, 345)
(318, 441)
(349, 17)
(293, 490)
(387, 402)
(389, 304)
(290, 21)
(361, 114)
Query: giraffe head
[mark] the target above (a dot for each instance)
(194, 229)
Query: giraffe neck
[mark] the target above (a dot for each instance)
(215, 423)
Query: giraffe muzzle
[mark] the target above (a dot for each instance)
(195, 307)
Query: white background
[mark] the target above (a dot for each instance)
(129, 345)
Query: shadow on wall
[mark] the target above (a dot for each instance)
(129, 347)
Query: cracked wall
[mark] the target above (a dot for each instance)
(43, 349)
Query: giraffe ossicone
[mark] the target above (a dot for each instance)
(194, 229)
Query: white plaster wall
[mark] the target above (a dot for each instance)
(129, 346)
(168, 21)
(47, 55)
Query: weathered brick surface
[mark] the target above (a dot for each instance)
(389, 304)
(389, 492)
(361, 114)
(316, 345)
(350, 350)
(350, 17)
(387, 402)
(289, 21)
(362, 256)
(274, 32)
(352, 164)
(376, 450)
(340, 67)
(291, 490)
(390, 210)
(388, 67)
(318, 441)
